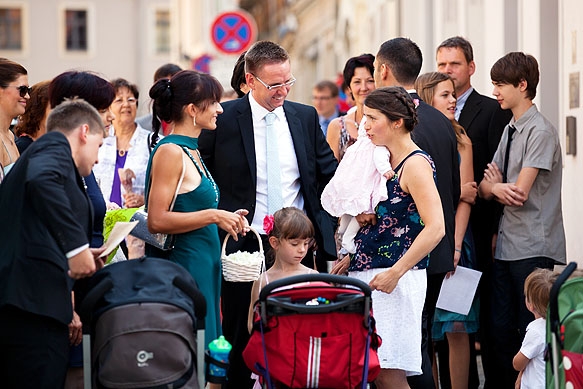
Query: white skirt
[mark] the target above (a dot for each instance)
(398, 319)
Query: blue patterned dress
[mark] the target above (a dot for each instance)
(398, 224)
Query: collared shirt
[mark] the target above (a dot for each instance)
(536, 228)
(461, 101)
(324, 122)
(290, 172)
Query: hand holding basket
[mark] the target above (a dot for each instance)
(243, 266)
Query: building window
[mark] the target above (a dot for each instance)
(10, 29)
(162, 31)
(76, 30)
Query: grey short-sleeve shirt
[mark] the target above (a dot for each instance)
(535, 229)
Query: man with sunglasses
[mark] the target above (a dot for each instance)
(241, 155)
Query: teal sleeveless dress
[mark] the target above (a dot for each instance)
(199, 251)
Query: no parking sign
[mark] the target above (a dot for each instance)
(233, 32)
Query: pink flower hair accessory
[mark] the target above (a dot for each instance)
(268, 224)
(416, 102)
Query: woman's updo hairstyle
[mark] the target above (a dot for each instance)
(170, 96)
(395, 103)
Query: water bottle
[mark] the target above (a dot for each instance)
(219, 350)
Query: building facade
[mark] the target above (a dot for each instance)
(131, 38)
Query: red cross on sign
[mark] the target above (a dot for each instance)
(233, 32)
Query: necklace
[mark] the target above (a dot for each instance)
(207, 173)
(401, 156)
(121, 151)
(10, 142)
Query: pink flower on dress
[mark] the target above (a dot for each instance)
(268, 224)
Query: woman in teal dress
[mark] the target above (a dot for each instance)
(190, 102)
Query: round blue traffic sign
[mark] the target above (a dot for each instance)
(233, 32)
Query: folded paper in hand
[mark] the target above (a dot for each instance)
(458, 291)
(119, 231)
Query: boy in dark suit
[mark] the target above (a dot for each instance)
(44, 245)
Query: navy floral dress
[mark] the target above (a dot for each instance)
(398, 224)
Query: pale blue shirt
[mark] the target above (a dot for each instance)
(324, 122)
(461, 101)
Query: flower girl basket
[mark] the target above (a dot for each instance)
(243, 266)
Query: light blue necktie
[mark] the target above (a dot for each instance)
(274, 197)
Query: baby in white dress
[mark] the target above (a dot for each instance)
(359, 184)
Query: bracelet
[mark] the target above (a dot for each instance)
(458, 250)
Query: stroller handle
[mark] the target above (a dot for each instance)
(194, 294)
(319, 277)
(554, 296)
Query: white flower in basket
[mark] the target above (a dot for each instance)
(243, 266)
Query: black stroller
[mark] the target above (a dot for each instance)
(142, 316)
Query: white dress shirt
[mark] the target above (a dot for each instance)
(290, 173)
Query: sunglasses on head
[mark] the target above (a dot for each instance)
(22, 89)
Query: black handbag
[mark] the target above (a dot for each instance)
(157, 241)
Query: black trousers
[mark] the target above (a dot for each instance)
(34, 350)
(425, 380)
(509, 314)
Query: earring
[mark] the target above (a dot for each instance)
(194, 120)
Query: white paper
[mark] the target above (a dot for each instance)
(119, 231)
(458, 291)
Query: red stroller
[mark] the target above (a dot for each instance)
(314, 331)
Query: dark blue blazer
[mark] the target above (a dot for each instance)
(45, 213)
(484, 121)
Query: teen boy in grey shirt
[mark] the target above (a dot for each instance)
(525, 176)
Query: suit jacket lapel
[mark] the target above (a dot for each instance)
(245, 122)
(470, 110)
(295, 129)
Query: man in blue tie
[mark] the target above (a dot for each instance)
(238, 154)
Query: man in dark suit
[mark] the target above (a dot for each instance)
(236, 154)
(484, 121)
(44, 245)
(398, 63)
